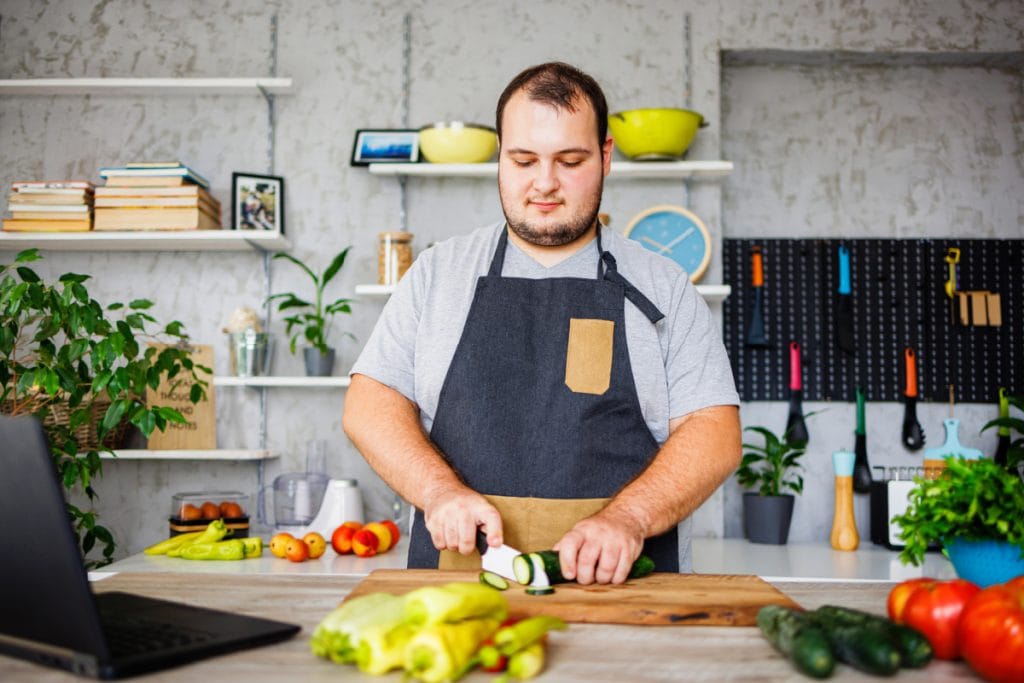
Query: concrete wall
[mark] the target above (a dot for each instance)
(879, 176)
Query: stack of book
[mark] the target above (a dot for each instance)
(61, 206)
(155, 196)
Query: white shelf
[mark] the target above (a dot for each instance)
(711, 293)
(620, 169)
(194, 240)
(298, 382)
(143, 86)
(218, 454)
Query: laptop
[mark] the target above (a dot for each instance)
(49, 614)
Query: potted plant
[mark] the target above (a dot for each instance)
(976, 510)
(773, 469)
(311, 320)
(81, 370)
(1010, 453)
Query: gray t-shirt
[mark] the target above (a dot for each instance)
(679, 364)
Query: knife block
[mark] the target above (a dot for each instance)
(888, 499)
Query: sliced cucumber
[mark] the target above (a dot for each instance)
(493, 580)
(539, 590)
(522, 567)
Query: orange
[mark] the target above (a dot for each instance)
(279, 543)
(315, 543)
(296, 550)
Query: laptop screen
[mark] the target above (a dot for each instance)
(44, 588)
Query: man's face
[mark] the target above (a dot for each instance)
(550, 170)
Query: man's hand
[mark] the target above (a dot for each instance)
(601, 548)
(453, 515)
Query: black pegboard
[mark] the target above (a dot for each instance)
(898, 301)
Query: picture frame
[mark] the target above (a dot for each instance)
(385, 146)
(257, 202)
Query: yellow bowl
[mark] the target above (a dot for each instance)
(455, 142)
(648, 134)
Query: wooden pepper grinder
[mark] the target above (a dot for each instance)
(844, 527)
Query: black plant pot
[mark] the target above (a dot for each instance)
(767, 518)
(318, 364)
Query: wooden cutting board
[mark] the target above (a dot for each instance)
(659, 599)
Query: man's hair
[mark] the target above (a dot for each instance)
(560, 85)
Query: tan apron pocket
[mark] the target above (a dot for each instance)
(588, 358)
(529, 524)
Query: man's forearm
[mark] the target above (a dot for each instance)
(703, 449)
(386, 429)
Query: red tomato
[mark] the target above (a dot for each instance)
(898, 596)
(992, 632)
(935, 609)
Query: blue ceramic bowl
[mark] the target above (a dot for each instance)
(987, 562)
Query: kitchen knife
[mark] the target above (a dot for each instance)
(755, 332)
(497, 560)
(844, 304)
(796, 430)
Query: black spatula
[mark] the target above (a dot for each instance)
(861, 470)
(913, 435)
(796, 430)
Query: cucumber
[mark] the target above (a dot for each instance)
(493, 580)
(915, 650)
(529, 565)
(794, 635)
(865, 646)
(539, 590)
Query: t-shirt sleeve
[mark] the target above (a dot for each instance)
(389, 354)
(697, 366)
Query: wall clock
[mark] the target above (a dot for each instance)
(674, 232)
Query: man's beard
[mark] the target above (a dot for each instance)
(556, 235)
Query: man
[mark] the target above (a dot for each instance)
(521, 381)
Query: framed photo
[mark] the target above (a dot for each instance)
(257, 202)
(385, 147)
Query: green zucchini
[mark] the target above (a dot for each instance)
(528, 565)
(915, 650)
(493, 580)
(865, 646)
(794, 635)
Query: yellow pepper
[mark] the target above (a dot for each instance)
(220, 550)
(382, 646)
(454, 602)
(215, 531)
(337, 636)
(166, 545)
(445, 652)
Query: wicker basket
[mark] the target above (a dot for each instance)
(60, 415)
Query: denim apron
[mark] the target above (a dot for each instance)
(539, 412)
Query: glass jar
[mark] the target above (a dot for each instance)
(394, 256)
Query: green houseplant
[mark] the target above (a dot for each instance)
(1010, 451)
(972, 504)
(79, 367)
(312, 320)
(773, 469)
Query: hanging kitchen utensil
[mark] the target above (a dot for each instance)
(844, 304)
(952, 448)
(913, 435)
(861, 469)
(796, 430)
(1003, 445)
(755, 331)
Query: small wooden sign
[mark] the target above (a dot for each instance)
(200, 430)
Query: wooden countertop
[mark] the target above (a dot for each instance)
(585, 653)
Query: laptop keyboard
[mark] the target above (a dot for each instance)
(128, 635)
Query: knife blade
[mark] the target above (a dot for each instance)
(497, 560)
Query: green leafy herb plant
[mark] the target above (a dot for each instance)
(972, 499)
(772, 468)
(312, 320)
(61, 352)
(1015, 453)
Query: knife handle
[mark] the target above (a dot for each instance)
(796, 382)
(910, 356)
(481, 541)
(844, 270)
(757, 276)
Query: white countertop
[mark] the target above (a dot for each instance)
(711, 556)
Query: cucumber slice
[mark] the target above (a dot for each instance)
(493, 580)
(522, 567)
(539, 590)
(540, 572)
